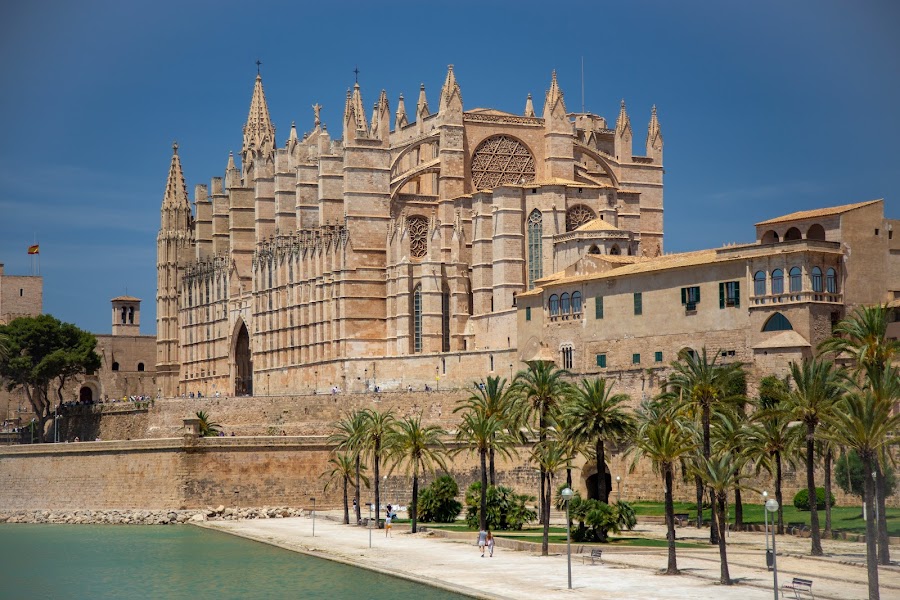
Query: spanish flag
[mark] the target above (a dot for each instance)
(36, 249)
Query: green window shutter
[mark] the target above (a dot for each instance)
(601, 361)
(598, 307)
(683, 295)
(658, 357)
(635, 359)
(737, 294)
(527, 313)
(721, 295)
(698, 293)
(638, 303)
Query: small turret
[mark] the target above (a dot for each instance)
(259, 133)
(529, 107)
(623, 137)
(554, 105)
(421, 108)
(451, 96)
(355, 116)
(402, 120)
(654, 138)
(232, 175)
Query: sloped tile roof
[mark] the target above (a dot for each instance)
(817, 213)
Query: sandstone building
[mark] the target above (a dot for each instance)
(20, 296)
(390, 257)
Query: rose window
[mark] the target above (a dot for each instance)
(501, 160)
(577, 216)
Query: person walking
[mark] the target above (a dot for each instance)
(490, 543)
(387, 526)
(482, 540)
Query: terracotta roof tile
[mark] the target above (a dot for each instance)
(817, 213)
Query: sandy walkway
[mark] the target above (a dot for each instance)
(455, 564)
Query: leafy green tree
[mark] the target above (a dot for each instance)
(207, 427)
(541, 390)
(343, 471)
(596, 519)
(816, 389)
(699, 383)
(377, 442)
(493, 399)
(419, 448)
(349, 435)
(597, 415)
(42, 354)
(506, 510)
(438, 503)
(850, 476)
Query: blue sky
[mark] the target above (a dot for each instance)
(766, 107)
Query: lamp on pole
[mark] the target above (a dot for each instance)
(772, 507)
(314, 516)
(369, 504)
(618, 488)
(567, 494)
(765, 496)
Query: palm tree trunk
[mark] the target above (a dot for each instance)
(493, 477)
(545, 542)
(871, 533)
(828, 458)
(816, 549)
(738, 506)
(724, 577)
(376, 461)
(602, 492)
(713, 522)
(884, 551)
(482, 510)
(346, 504)
(414, 509)
(569, 477)
(699, 484)
(356, 493)
(542, 436)
(778, 496)
(672, 568)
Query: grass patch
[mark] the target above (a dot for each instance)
(629, 541)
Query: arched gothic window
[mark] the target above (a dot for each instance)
(759, 283)
(777, 281)
(417, 319)
(535, 247)
(577, 216)
(777, 322)
(576, 303)
(816, 279)
(564, 304)
(418, 236)
(831, 281)
(796, 283)
(554, 305)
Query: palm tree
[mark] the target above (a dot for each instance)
(541, 389)
(730, 435)
(479, 432)
(492, 398)
(769, 443)
(699, 383)
(207, 427)
(420, 449)
(863, 335)
(377, 442)
(551, 456)
(349, 436)
(863, 421)
(719, 473)
(596, 415)
(816, 389)
(666, 442)
(343, 471)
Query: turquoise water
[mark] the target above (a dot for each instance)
(138, 562)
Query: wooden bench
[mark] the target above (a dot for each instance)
(596, 553)
(797, 587)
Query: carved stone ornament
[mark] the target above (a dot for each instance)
(418, 236)
(577, 216)
(501, 160)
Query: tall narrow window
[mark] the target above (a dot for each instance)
(777, 281)
(564, 306)
(567, 360)
(638, 303)
(796, 283)
(598, 307)
(831, 281)
(535, 252)
(417, 319)
(554, 305)
(445, 321)
(759, 283)
(729, 294)
(576, 303)
(816, 279)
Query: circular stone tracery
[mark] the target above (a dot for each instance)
(577, 216)
(501, 160)
(418, 236)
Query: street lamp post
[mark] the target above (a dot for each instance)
(567, 494)
(772, 507)
(765, 496)
(618, 488)
(314, 516)
(369, 504)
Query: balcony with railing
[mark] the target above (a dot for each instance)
(801, 297)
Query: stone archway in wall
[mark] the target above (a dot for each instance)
(86, 395)
(589, 477)
(243, 361)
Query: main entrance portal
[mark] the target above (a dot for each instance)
(243, 378)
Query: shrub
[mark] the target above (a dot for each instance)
(848, 471)
(437, 502)
(506, 510)
(597, 519)
(801, 499)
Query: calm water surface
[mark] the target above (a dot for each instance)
(131, 562)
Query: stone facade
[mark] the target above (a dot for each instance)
(763, 304)
(398, 251)
(20, 296)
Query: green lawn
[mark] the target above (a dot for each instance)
(843, 518)
(626, 541)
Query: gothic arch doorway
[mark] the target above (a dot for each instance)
(86, 395)
(590, 474)
(243, 363)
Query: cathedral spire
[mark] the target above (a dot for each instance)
(259, 133)
(554, 104)
(176, 191)
(402, 120)
(381, 118)
(654, 137)
(355, 116)
(622, 121)
(232, 176)
(623, 138)
(529, 107)
(422, 104)
(451, 96)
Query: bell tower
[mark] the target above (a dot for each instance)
(126, 316)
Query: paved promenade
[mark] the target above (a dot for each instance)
(454, 563)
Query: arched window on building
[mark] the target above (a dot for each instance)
(567, 357)
(815, 232)
(554, 305)
(777, 322)
(418, 236)
(115, 366)
(777, 281)
(792, 234)
(769, 237)
(759, 283)
(796, 283)
(417, 318)
(817, 279)
(615, 251)
(140, 366)
(564, 306)
(576, 303)
(831, 281)
(535, 247)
